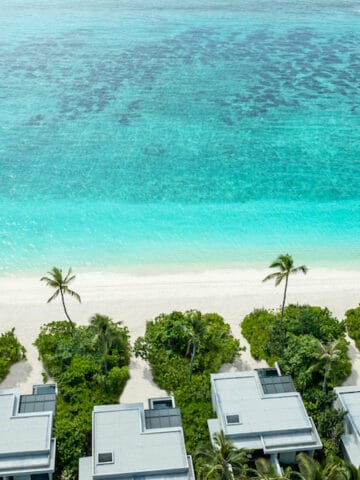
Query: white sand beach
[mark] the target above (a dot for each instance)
(134, 299)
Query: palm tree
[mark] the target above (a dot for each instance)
(328, 355)
(196, 330)
(264, 470)
(309, 468)
(221, 460)
(107, 335)
(61, 286)
(334, 469)
(285, 264)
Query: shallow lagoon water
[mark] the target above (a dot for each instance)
(211, 133)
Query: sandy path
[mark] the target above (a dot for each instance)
(134, 299)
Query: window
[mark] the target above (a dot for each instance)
(230, 419)
(106, 457)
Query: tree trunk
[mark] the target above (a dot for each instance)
(324, 384)
(192, 360)
(282, 315)
(284, 299)
(66, 313)
(326, 372)
(105, 360)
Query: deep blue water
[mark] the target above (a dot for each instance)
(195, 132)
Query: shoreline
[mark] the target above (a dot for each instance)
(253, 262)
(135, 299)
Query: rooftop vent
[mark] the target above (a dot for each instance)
(231, 419)
(106, 457)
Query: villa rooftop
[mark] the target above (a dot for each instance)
(264, 412)
(129, 441)
(349, 401)
(26, 443)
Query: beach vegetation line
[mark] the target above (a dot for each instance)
(11, 351)
(168, 345)
(352, 320)
(90, 365)
(310, 345)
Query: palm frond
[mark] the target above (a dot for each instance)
(72, 294)
(308, 467)
(49, 281)
(54, 296)
(303, 269)
(279, 279)
(67, 277)
(56, 273)
(271, 276)
(277, 264)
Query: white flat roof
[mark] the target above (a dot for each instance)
(272, 421)
(350, 400)
(120, 429)
(22, 433)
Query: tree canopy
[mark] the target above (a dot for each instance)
(75, 358)
(167, 345)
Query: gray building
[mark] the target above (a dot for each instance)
(131, 442)
(348, 400)
(27, 449)
(260, 410)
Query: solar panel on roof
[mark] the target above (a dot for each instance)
(282, 384)
(37, 403)
(163, 418)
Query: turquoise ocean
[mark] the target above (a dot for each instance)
(163, 134)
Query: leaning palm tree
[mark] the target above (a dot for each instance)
(221, 460)
(328, 355)
(61, 286)
(285, 264)
(196, 330)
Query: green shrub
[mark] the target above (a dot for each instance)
(118, 376)
(316, 321)
(257, 328)
(266, 334)
(329, 421)
(352, 320)
(11, 351)
(168, 344)
(90, 365)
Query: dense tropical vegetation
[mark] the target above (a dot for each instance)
(183, 349)
(352, 320)
(223, 461)
(309, 344)
(90, 366)
(11, 351)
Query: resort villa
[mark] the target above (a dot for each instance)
(129, 441)
(260, 410)
(27, 449)
(348, 400)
